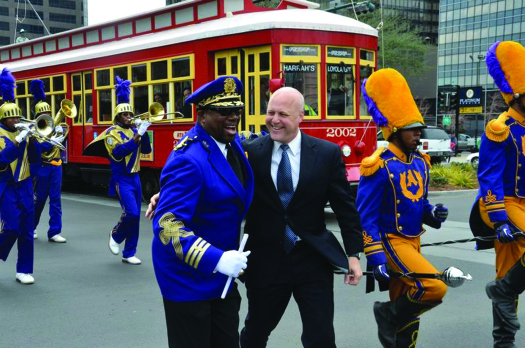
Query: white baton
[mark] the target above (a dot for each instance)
(229, 281)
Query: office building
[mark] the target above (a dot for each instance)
(55, 16)
(466, 31)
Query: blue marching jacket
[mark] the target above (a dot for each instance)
(501, 170)
(198, 217)
(392, 199)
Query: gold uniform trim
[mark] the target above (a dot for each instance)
(172, 229)
(197, 250)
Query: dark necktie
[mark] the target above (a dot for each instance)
(285, 190)
(233, 160)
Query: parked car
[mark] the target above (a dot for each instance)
(466, 143)
(434, 141)
(473, 159)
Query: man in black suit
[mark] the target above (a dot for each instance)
(292, 251)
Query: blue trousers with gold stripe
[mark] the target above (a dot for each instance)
(48, 183)
(129, 192)
(16, 211)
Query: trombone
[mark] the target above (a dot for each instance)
(155, 114)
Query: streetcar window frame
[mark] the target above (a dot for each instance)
(151, 81)
(364, 64)
(313, 57)
(24, 98)
(343, 61)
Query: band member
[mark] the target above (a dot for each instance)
(206, 189)
(393, 205)
(48, 176)
(500, 206)
(122, 144)
(17, 151)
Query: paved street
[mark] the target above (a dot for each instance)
(85, 297)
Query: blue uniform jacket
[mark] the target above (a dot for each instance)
(15, 160)
(392, 199)
(198, 217)
(501, 170)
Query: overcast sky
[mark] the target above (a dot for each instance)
(100, 11)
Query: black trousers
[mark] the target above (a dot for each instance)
(309, 278)
(204, 324)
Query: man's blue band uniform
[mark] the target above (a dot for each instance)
(17, 152)
(499, 208)
(393, 205)
(123, 144)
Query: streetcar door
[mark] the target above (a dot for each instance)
(82, 97)
(257, 67)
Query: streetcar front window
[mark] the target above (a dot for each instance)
(105, 109)
(340, 93)
(303, 77)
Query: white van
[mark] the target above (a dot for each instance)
(434, 141)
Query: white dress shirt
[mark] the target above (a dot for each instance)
(222, 147)
(294, 154)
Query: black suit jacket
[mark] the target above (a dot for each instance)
(322, 179)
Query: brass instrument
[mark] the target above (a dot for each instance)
(155, 114)
(67, 109)
(43, 127)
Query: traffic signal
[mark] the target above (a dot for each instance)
(442, 101)
(364, 7)
(454, 100)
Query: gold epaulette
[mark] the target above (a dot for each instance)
(184, 142)
(497, 130)
(371, 164)
(426, 157)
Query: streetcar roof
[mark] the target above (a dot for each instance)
(302, 19)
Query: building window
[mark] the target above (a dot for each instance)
(4, 40)
(4, 11)
(4, 25)
(33, 29)
(63, 18)
(63, 4)
(55, 30)
(30, 14)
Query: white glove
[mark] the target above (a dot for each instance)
(58, 139)
(143, 127)
(23, 126)
(138, 122)
(232, 262)
(59, 129)
(22, 135)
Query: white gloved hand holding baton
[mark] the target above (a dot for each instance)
(241, 252)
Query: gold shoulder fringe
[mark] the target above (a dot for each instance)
(497, 130)
(426, 157)
(371, 164)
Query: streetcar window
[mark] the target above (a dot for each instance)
(161, 95)
(264, 61)
(303, 77)
(251, 64)
(56, 103)
(366, 55)
(121, 72)
(77, 85)
(340, 93)
(77, 100)
(140, 99)
(159, 70)
(20, 88)
(89, 107)
(365, 71)
(22, 104)
(264, 93)
(47, 84)
(103, 78)
(251, 94)
(180, 67)
(139, 73)
(234, 65)
(182, 91)
(104, 106)
(221, 66)
(88, 83)
(58, 83)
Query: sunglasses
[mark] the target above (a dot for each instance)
(227, 112)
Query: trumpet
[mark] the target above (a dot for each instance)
(155, 114)
(67, 109)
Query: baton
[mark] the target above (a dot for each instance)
(474, 239)
(229, 281)
(451, 276)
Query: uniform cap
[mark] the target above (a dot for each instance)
(390, 102)
(36, 87)
(506, 64)
(122, 91)
(7, 89)
(224, 92)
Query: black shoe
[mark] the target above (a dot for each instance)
(504, 301)
(386, 327)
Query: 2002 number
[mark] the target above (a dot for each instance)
(340, 132)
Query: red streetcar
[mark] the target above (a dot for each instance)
(168, 53)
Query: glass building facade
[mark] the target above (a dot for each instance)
(466, 31)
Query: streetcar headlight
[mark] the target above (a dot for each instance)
(347, 151)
